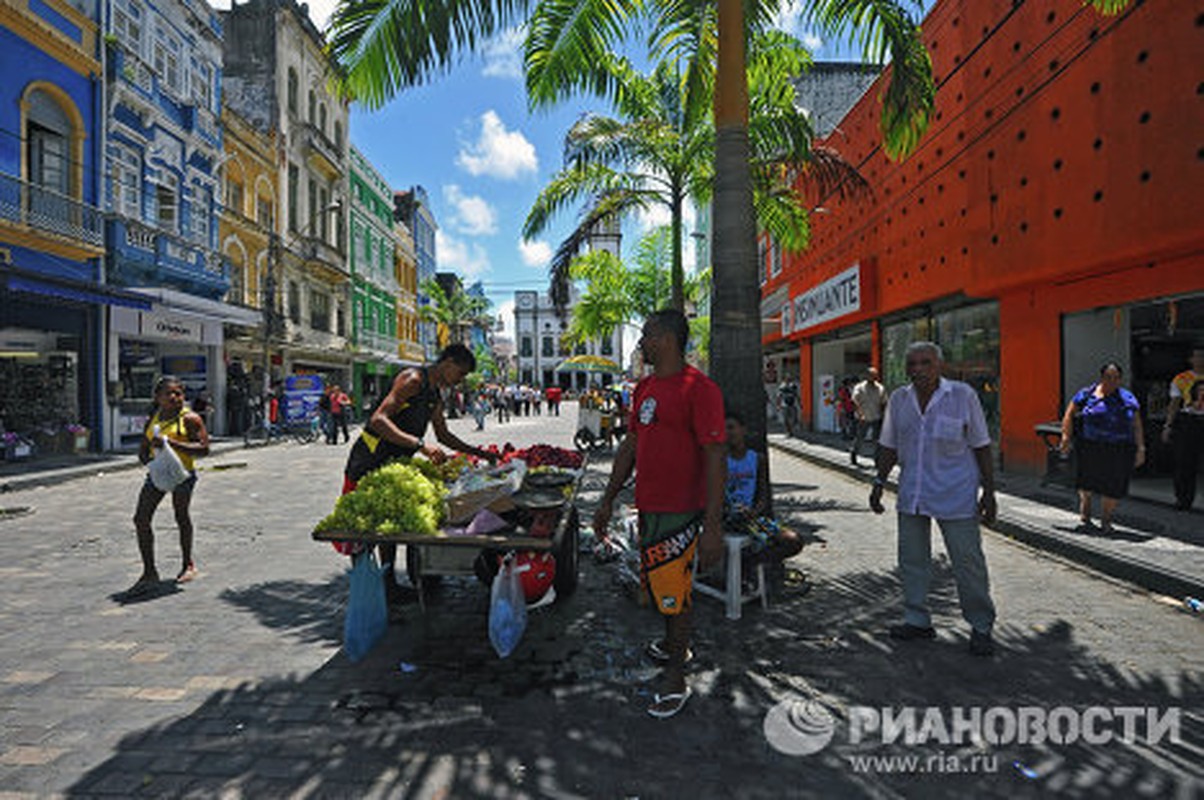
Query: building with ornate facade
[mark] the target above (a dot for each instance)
(414, 209)
(52, 292)
(163, 146)
(278, 78)
(374, 284)
(405, 266)
(250, 245)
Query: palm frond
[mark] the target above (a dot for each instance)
(1109, 7)
(566, 188)
(612, 204)
(384, 46)
(685, 32)
(566, 41)
(884, 28)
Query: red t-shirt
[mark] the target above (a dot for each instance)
(553, 394)
(673, 419)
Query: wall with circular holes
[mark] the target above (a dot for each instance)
(1062, 170)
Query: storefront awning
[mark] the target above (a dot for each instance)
(202, 306)
(78, 292)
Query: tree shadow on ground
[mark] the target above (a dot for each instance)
(564, 715)
(309, 612)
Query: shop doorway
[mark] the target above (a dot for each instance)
(836, 366)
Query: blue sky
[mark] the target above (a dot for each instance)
(468, 138)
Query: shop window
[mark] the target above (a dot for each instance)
(546, 349)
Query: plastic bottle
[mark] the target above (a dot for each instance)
(1194, 605)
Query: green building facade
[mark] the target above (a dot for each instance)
(374, 287)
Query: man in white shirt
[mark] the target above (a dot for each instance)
(935, 431)
(869, 400)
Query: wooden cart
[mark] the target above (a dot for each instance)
(429, 557)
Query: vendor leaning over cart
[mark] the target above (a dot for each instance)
(675, 442)
(398, 424)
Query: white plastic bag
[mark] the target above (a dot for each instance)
(166, 469)
(507, 609)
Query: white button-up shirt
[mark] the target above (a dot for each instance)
(938, 476)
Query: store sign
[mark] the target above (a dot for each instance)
(829, 300)
(171, 326)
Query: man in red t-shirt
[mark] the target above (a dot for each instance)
(675, 440)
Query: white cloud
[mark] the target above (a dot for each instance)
(467, 259)
(504, 55)
(535, 253)
(811, 41)
(471, 214)
(498, 153)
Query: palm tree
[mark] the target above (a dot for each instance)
(454, 313)
(659, 152)
(384, 46)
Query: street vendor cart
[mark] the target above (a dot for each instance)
(539, 516)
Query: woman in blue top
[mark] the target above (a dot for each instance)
(1110, 442)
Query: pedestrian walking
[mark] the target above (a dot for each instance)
(675, 443)
(396, 429)
(324, 413)
(1103, 421)
(536, 400)
(553, 395)
(183, 431)
(340, 405)
(788, 400)
(934, 429)
(480, 410)
(846, 410)
(869, 402)
(1184, 430)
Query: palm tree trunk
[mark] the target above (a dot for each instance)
(735, 291)
(676, 271)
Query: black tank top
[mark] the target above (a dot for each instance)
(370, 451)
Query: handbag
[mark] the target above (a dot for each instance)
(166, 469)
(367, 612)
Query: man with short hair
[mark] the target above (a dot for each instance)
(869, 401)
(675, 440)
(1184, 430)
(935, 431)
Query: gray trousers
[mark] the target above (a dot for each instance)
(963, 541)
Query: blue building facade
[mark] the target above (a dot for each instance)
(52, 289)
(163, 149)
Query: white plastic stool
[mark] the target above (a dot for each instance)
(732, 593)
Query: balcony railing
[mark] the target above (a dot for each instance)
(377, 341)
(52, 212)
(319, 145)
(141, 251)
(315, 248)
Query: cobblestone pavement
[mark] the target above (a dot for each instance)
(234, 684)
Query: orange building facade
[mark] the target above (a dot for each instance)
(1048, 221)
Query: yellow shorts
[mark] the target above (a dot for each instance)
(667, 559)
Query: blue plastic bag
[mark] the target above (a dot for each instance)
(507, 609)
(367, 613)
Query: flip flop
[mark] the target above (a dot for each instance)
(187, 574)
(656, 651)
(676, 701)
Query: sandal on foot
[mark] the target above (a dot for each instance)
(669, 704)
(657, 652)
(187, 574)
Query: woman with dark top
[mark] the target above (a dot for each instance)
(1104, 423)
(399, 422)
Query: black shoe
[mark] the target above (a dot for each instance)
(981, 644)
(907, 633)
(853, 459)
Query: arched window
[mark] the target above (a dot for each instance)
(313, 102)
(48, 133)
(322, 118)
(292, 91)
(338, 136)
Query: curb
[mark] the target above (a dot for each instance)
(1153, 577)
(53, 477)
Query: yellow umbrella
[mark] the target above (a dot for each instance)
(589, 363)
